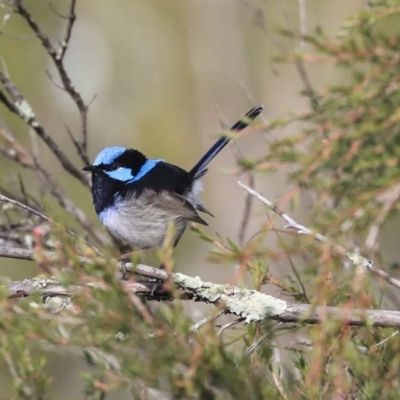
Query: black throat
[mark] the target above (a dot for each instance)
(104, 189)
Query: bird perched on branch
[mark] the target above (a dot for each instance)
(136, 198)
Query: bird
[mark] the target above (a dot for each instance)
(136, 198)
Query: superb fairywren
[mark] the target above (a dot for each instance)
(136, 198)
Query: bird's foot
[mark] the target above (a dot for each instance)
(158, 285)
(124, 259)
(124, 270)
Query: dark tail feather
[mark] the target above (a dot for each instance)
(199, 169)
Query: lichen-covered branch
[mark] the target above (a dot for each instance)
(249, 305)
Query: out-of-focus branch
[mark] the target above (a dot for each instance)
(44, 217)
(25, 207)
(356, 259)
(22, 156)
(71, 17)
(248, 305)
(385, 201)
(57, 56)
(13, 99)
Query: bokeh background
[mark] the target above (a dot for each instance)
(165, 77)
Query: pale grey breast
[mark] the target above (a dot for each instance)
(143, 222)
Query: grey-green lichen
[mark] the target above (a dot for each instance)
(25, 110)
(251, 305)
(42, 283)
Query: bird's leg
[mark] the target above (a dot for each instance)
(124, 271)
(125, 258)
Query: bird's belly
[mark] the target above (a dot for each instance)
(140, 226)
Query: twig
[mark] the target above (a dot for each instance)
(57, 56)
(385, 340)
(248, 203)
(302, 20)
(31, 210)
(387, 199)
(229, 325)
(309, 91)
(29, 255)
(14, 100)
(20, 106)
(356, 259)
(68, 31)
(206, 320)
(25, 207)
(251, 348)
(249, 305)
(19, 154)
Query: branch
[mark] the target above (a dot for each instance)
(248, 305)
(19, 154)
(17, 104)
(45, 218)
(57, 56)
(356, 259)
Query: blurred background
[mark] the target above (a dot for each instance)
(165, 77)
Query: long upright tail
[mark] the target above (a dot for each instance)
(199, 169)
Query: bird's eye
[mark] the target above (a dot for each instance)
(114, 166)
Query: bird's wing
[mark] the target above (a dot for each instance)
(175, 204)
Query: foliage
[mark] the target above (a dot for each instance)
(344, 161)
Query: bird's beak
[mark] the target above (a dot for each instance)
(89, 168)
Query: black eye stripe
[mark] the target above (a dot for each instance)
(130, 159)
(109, 167)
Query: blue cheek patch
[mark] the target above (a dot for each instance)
(108, 155)
(121, 174)
(125, 174)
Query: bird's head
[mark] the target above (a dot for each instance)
(121, 164)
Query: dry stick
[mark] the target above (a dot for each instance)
(249, 305)
(356, 259)
(246, 212)
(25, 207)
(29, 255)
(57, 56)
(309, 91)
(25, 159)
(20, 106)
(206, 320)
(13, 99)
(44, 217)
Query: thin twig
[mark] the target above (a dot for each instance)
(385, 340)
(25, 207)
(31, 210)
(251, 348)
(302, 20)
(19, 154)
(229, 325)
(57, 56)
(68, 30)
(355, 258)
(20, 106)
(248, 203)
(309, 91)
(206, 320)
